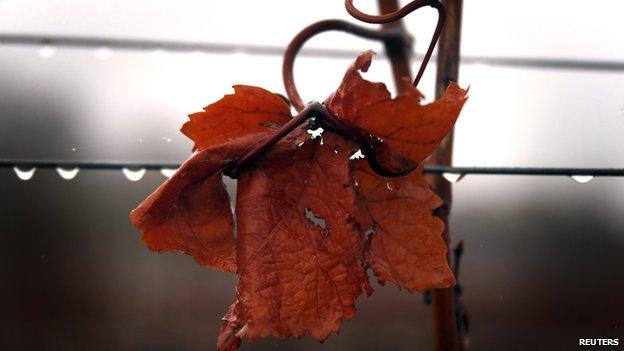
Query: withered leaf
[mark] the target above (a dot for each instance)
(409, 131)
(304, 209)
(249, 110)
(296, 276)
(406, 246)
(191, 212)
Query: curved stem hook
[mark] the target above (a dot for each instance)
(400, 13)
(300, 39)
(314, 108)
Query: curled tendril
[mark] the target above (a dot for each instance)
(400, 13)
(312, 30)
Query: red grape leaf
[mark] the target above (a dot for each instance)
(249, 110)
(298, 276)
(191, 212)
(406, 246)
(303, 207)
(409, 131)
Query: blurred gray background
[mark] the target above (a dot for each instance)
(544, 255)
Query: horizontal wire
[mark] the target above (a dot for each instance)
(533, 171)
(86, 165)
(224, 48)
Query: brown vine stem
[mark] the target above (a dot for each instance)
(325, 119)
(236, 165)
(443, 300)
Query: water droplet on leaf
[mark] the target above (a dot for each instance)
(357, 155)
(316, 132)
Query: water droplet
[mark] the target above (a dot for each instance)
(47, 51)
(73, 149)
(103, 53)
(336, 149)
(67, 174)
(316, 132)
(168, 172)
(356, 183)
(240, 56)
(24, 174)
(358, 154)
(389, 186)
(134, 175)
(199, 55)
(452, 177)
(300, 144)
(582, 178)
(159, 54)
(167, 139)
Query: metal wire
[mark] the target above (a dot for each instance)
(529, 171)
(183, 46)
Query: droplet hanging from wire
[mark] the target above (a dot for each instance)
(168, 172)
(582, 179)
(453, 177)
(47, 51)
(103, 53)
(134, 175)
(67, 174)
(24, 174)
